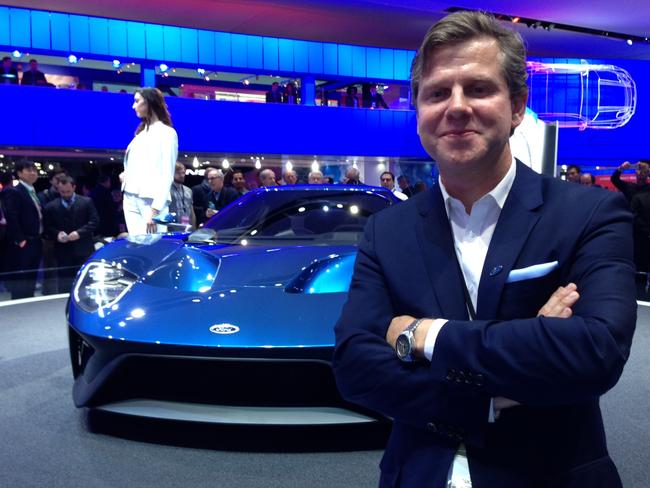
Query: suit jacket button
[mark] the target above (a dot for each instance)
(479, 379)
(431, 427)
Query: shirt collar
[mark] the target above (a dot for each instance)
(27, 185)
(499, 193)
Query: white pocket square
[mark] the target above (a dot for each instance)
(530, 272)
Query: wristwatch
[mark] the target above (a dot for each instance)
(405, 344)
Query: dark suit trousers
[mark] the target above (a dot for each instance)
(22, 266)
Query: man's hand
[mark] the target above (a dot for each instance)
(73, 236)
(397, 326)
(210, 212)
(624, 166)
(62, 237)
(560, 303)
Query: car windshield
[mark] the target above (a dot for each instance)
(326, 216)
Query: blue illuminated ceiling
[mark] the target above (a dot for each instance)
(396, 24)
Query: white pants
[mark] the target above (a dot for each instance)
(137, 214)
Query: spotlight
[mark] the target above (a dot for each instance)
(315, 166)
(288, 165)
(116, 63)
(163, 67)
(246, 82)
(225, 164)
(200, 71)
(629, 42)
(515, 20)
(72, 59)
(16, 54)
(258, 164)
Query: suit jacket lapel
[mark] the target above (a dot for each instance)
(437, 247)
(519, 215)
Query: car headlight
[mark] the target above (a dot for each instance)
(101, 284)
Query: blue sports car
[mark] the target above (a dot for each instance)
(232, 323)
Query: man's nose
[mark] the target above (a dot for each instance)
(458, 103)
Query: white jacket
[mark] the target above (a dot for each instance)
(149, 164)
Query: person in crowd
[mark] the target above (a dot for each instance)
(573, 173)
(374, 99)
(640, 206)
(352, 176)
(404, 185)
(239, 182)
(387, 180)
(200, 193)
(70, 222)
(52, 193)
(351, 97)
(219, 195)
(24, 247)
(274, 95)
(181, 205)
(8, 74)
(33, 76)
(149, 163)
(267, 177)
(6, 182)
(587, 179)
(290, 177)
(106, 206)
(315, 178)
(490, 340)
(290, 94)
(642, 171)
(419, 187)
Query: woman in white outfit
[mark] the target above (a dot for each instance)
(149, 163)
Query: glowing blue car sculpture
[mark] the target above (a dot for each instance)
(581, 95)
(230, 324)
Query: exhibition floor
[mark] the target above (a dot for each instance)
(46, 441)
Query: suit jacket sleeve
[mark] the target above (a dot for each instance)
(13, 202)
(88, 218)
(369, 373)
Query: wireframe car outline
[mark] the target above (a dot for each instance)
(583, 96)
(230, 324)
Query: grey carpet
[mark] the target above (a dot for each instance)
(47, 442)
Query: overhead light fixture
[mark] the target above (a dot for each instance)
(117, 63)
(315, 166)
(225, 164)
(72, 59)
(288, 166)
(548, 25)
(629, 42)
(258, 163)
(163, 67)
(16, 54)
(200, 71)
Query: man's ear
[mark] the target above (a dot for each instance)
(519, 109)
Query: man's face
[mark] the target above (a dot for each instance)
(267, 179)
(573, 175)
(642, 172)
(351, 176)
(6, 63)
(33, 65)
(315, 179)
(238, 181)
(465, 113)
(29, 175)
(179, 175)
(66, 190)
(403, 183)
(387, 181)
(290, 178)
(215, 182)
(585, 179)
(274, 87)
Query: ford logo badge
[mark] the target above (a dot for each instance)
(224, 329)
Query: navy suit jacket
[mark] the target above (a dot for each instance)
(556, 368)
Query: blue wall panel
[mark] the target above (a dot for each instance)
(255, 52)
(60, 28)
(98, 35)
(315, 57)
(330, 59)
(20, 28)
(40, 30)
(79, 36)
(117, 38)
(223, 48)
(285, 47)
(171, 44)
(154, 42)
(189, 46)
(5, 32)
(386, 62)
(271, 53)
(401, 68)
(239, 50)
(301, 56)
(379, 134)
(359, 61)
(345, 60)
(373, 62)
(136, 40)
(206, 47)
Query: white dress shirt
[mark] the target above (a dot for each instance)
(149, 164)
(472, 235)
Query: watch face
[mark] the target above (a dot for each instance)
(402, 346)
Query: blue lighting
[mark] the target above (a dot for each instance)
(116, 63)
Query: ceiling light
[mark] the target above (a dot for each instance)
(288, 165)
(116, 63)
(200, 71)
(72, 59)
(16, 54)
(315, 166)
(225, 164)
(629, 42)
(163, 67)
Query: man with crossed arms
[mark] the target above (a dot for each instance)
(475, 342)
